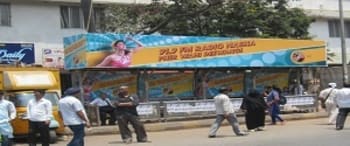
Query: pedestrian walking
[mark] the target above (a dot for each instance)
(327, 97)
(7, 113)
(39, 114)
(127, 113)
(254, 106)
(342, 100)
(224, 110)
(273, 103)
(74, 115)
(105, 107)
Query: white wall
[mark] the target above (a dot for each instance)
(95, 1)
(319, 30)
(38, 24)
(319, 4)
(322, 10)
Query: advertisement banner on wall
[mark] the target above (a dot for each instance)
(220, 79)
(269, 79)
(11, 53)
(125, 51)
(170, 85)
(96, 83)
(53, 58)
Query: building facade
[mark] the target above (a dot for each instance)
(45, 22)
(327, 24)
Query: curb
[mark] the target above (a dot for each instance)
(180, 125)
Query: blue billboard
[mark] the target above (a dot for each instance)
(17, 52)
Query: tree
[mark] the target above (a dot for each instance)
(123, 18)
(242, 18)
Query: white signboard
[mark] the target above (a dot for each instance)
(53, 58)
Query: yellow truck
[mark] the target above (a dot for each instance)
(18, 84)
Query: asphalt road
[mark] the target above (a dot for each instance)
(293, 133)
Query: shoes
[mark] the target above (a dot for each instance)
(142, 140)
(211, 136)
(242, 134)
(338, 128)
(259, 129)
(252, 130)
(127, 141)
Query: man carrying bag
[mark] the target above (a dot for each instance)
(327, 97)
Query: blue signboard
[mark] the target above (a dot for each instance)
(16, 52)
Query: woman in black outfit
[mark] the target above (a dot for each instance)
(254, 106)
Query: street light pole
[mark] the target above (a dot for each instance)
(343, 45)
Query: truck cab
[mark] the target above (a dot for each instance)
(19, 83)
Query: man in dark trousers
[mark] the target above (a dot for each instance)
(342, 100)
(39, 112)
(105, 107)
(126, 112)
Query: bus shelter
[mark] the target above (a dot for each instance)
(161, 67)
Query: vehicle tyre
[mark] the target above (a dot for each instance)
(53, 136)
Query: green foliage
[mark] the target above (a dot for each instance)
(242, 18)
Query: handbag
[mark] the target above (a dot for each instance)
(323, 103)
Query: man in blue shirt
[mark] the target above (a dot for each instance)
(7, 113)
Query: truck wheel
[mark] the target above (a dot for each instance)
(53, 136)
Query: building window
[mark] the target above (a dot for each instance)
(98, 17)
(334, 28)
(71, 17)
(5, 17)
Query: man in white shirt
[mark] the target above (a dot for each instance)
(7, 113)
(105, 107)
(74, 115)
(39, 112)
(342, 100)
(224, 110)
(327, 96)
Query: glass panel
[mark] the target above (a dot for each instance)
(64, 17)
(98, 17)
(22, 99)
(5, 14)
(337, 28)
(75, 17)
(330, 28)
(347, 29)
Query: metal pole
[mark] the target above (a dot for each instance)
(343, 45)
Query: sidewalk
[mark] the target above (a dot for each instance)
(178, 125)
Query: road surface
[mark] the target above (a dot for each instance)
(293, 133)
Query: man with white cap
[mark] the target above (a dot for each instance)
(327, 97)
